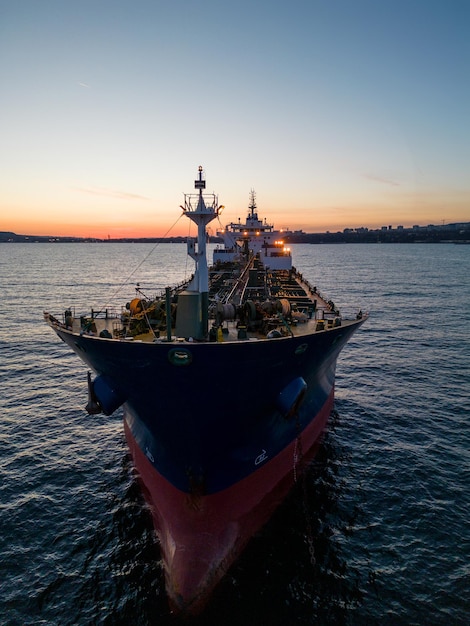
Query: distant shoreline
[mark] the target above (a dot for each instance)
(450, 233)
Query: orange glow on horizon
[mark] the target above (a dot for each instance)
(94, 230)
(126, 231)
(101, 224)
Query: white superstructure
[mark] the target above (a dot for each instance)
(251, 238)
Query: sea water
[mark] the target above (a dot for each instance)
(377, 532)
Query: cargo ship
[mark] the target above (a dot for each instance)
(226, 383)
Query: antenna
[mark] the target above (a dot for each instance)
(200, 183)
(252, 204)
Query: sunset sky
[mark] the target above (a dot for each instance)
(339, 113)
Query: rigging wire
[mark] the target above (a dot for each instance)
(186, 263)
(127, 280)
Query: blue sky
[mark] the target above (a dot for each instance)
(339, 113)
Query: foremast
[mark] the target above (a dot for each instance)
(201, 209)
(252, 206)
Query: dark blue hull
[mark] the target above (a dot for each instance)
(206, 425)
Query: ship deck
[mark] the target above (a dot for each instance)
(299, 310)
(322, 320)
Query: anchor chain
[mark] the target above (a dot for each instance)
(298, 458)
(298, 454)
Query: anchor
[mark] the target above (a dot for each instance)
(92, 407)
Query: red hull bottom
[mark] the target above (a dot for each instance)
(201, 536)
